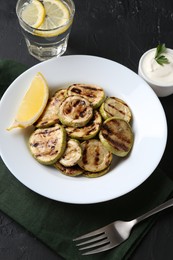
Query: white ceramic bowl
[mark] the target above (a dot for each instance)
(160, 88)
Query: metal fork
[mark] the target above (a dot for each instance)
(113, 234)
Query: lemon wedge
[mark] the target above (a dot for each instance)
(57, 15)
(33, 14)
(33, 103)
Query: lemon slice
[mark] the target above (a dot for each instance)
(57, 15)
(33, 103)
(33, 14)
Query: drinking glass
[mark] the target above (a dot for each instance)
(45, 44)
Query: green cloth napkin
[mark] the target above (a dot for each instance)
(56, 223)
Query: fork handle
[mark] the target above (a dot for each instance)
(157, 209)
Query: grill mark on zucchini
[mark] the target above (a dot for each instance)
(69, 171)
(97, 154)
(84, 157)
(77, 102)
(81, 110)
(41, 123)
(79, 91)
(48, 145)
(48, 153)
(91, 129)
(75, 111)
(86, 132)
(76, 90)
(34, 145)
(93, 93)
(116, 135)
(115, 108)
(109, 132)
(112, 132)
(109, 159)
(119, 146)
(67, 110)
(47, 131)
(51, 144)
(49, 116)
(82, 113)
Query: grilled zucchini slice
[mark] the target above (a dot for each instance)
(115, 107)
(47, 145)
(75, 111)
(86, 132)
(93, 93)
(117, 136)
(69, 171)
(95, 157)
(95, 174)
(50, 114)
(72, 154)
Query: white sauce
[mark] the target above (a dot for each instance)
(156, 72)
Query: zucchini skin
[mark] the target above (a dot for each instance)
(95, 94)
(115, 107)
(75, 111)
(95, 157)
(117, 136)
(50, 114)
(96, 174)
(45, 149)
(86, 132)
(69, 171)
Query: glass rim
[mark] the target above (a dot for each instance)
(47, 30)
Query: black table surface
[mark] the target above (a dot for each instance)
(121, 31)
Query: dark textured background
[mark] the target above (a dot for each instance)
(118, 30)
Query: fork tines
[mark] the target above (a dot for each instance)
(96, 240)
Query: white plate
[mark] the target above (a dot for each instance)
(149, 126)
